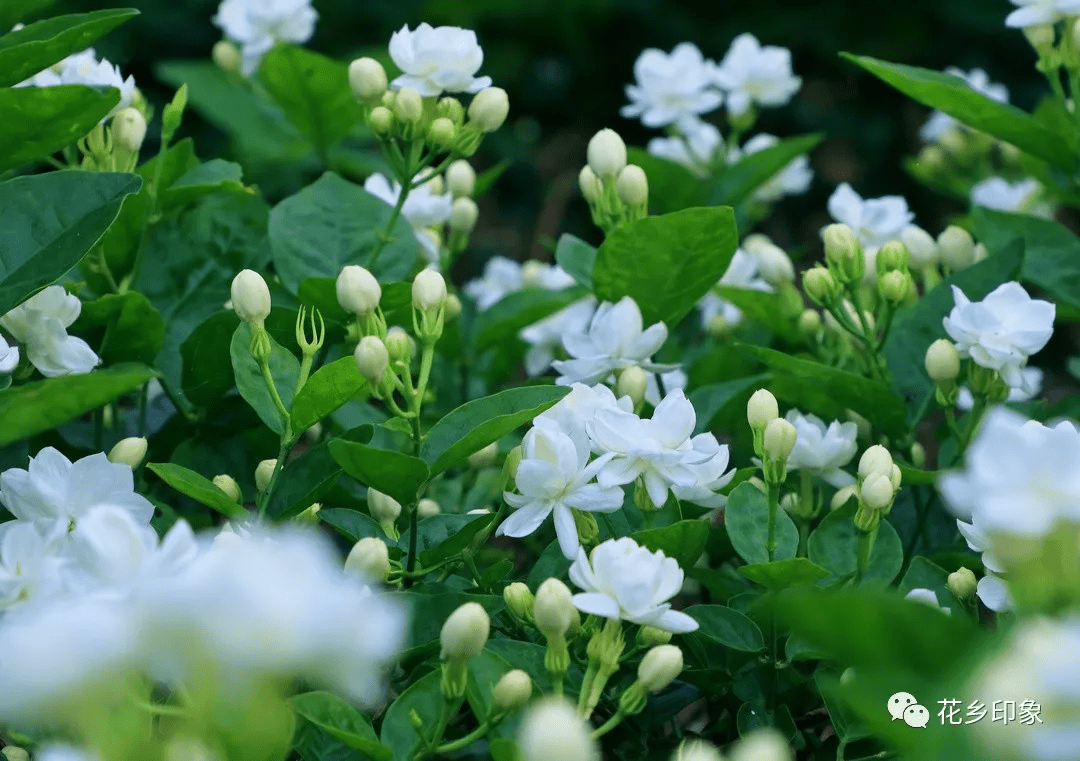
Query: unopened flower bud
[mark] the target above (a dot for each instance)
(383, 508)
(697, 750)
(719, 326)
(465, 633)
(400, 346)
(820, 286)
(780, 437)
(921, 246)
(367, 78)
(956, 247)
(895, 477)
(894, 286)
(450, 108)
(633, 185)
(461, 179)
(489, 108)
(408, 105)
(981, 252)
(452, 310)
(775, 265)
(892, 256)
(918, 455)
(843, 253)
(842, 496)
(1041, 36)
(372, 359)
(519, 600)
(463, 215)
(485, 457)
(129, 129)
(428, 291)
(877, 491)
(633, 381)
(810, 323)
(590, 185)
(553, 730)
(226, 56)
(789, 503)
(660, 666)
(250, 297)
(381, 121)
(607, 154)
(765, 744)
(130, 452)
(513, 459)
(875, 459)
(427, 508)
(358, 291)
(264, 472)
(369, 559)
(942, 361)
(552, 610)
(228, 485)
(441, 133)
(962, 583)
(512, 692)
(761, 409)
(14, 753)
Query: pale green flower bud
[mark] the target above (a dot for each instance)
(607, 154)
(553, 730)
(843, 253)
(892, 256)
(918, 455)
(519, 600)
(383, 508)
(465, 633)
(981, 252)
(408, 105)
(780, 437)
(774, 263)
(957, 248)
(310, 516)
(450, 108)
(660, 666)
(696, 750)
(810, 323)
(441, 133)
(400, 346)
(250, 297)
(650, 636)
(875, 459)
(513, 459)
(877, 491)
(427, 508)
(130, 452)
(633, 381)
(485, 457)
(842, 496)
(761, 409)
(633, 186)
(264, 472)
(895, 477)
(367, 78)
(228, 485)
(129, 129)
(381, 121)
(1041, 37)
(921, 247)
(463, 215)
(590, 184)
(428, 291)
(452, 310)
(460, 179)
(552, 610)
(962, 583)
(372, 359)
(894, 286)
(820, 286)
(764, 744)
(789, 503)
(512, 692)
(388, 99)
(719, 326)
(369, 559)
(358, 291)
(943, 361)
(489, 108)
(226, 56)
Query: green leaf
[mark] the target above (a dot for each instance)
(952, 95)
(36, 122)
(485, 671)
(214, 176)
(503, 320)
(20, 10)
(746, 518)
(925, 574)
(38, 46)
(329, 712)
(313, 91)
(429, 611)
(302, 482)
(666, 264)
(328, 388)
(399, 475)
(529, 657)
(834, 545)
(447, 535)
(728, 627)
(208, 372)
(826, 391)
(736, 182)
(475, 424)
(910, 476)
(672, 187)
(684, 541)
(354, 525)
(33, 408)
(332, 223)
(133, 329)
(199, 488)
(576, 257)
(781, 574)
(424, 698)
(49, 221)
(770, 309)
(709, 401)
(284, 369)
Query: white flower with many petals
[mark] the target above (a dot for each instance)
(978, 80)
(1040, 12)
(437, 60)
(752, 74)
(623, 581)
(710, 473)
(545, 337)
(9, 357)
(671, 86)
(41, 323)
(1001, 331)
(553, 478)
(696, 147)
(793, 180)
(502, 276)
(875, 221)
(257, 25)
(422, 209)
(823, 451)
(1023, 196)
(613, 341)
(575, 412)
(30, 563)
(84, 68)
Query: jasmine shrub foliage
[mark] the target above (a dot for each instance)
(276, 488)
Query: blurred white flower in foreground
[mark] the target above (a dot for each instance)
(793, 180)
(978, 80)
(926, 597)
(822, 450)
(422, 208)
(625, 581)
(752, 74)
(84, 68)
(437, 60)
(41, 324)
(1040, 12)
(257, 25)
(671, 86)
(998, 193)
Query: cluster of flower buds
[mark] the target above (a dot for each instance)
(616, 192)
(460, 182)
(774, 437)
(878, 483)
(894, 284)
(115, 147)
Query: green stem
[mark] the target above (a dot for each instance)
(608, 725)
(155, 198)
(264, 365)
(386, 235)
(411, 563)
(467, 740)
(866, 546)
(774, 507)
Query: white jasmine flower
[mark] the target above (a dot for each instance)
(926, 597)
(625, 581)
(41, 323)
(1001, 331)
(710, 474)
(9, 357)
(64, 753)
(613, 341)
(437, 60)
(257, 25)
(713, 306)
(1040, 12)
(84, 68)
(660, 384)
(752, 74)
(823, 451)
(422, 209)
(545, 337)
(998, 193)
(671, 86)
(743, 272)
(55, 493)
(555, 476)
(1030, 384)
(978, 80)
(994, 593)
(793, 180)
(574, 412)
(502, 276)
(695, 148)
(29, 563)
(978, 541)
(875, 221)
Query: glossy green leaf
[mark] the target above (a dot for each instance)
(925, 574)
(199, 488)
(667, 263)
(208, 372)
(769, 309)
(48, 222)
(342, 721)
(12, 11)
(353, 525)
(424, 698)
(214, 176)
(328, 388)
(746, 518)
(504, 319)
(735, 183)
(399, 475)
(781, 574)
(250, 382)
(684, 541)
(36, 122)
(728, 627)
(302, 482)
(429, 610)
(132, 330)
(834, 545)
(446, 535)
(672, 187)
(576, 257)
(475, 424)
